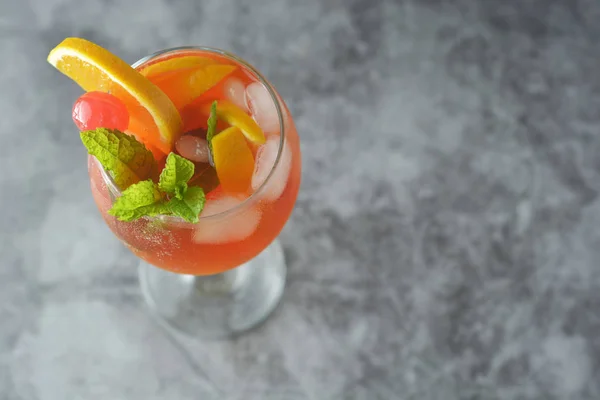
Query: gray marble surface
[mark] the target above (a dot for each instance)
(446, 241)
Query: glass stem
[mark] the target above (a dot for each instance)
(225, 282)
(213, 306)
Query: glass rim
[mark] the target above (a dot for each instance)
(248, 200)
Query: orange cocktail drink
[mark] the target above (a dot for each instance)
(234, 226)
(194, 164)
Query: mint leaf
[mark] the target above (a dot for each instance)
(212, 122)
(147, 198)
(190, 206)
(210, 130)
(127, 160)
(174, 177)
(139, 200)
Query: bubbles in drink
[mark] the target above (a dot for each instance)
(230, 228)
(193, 148)
(262, 107)
(265, 159)
(236, 92)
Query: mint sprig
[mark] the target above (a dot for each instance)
(127, 160)
(211, 129)
(170, 196)
(132, 165)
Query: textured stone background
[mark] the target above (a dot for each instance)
(446, 241)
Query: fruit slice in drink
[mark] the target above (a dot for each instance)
(154, 119)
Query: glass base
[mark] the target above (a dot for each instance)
(220, 305)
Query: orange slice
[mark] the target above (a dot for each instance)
(189, 83)
(154, 119)
(233, 159)
(174, 64)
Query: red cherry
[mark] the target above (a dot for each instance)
(100, 110)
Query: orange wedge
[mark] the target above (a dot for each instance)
(189, 83)
(174, 64)
(196, 114)
(154, 119)
(233, 159)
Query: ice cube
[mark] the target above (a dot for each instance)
(193, 148)
(236, 92)
(262, 107)
(230, 228)
(265, 159)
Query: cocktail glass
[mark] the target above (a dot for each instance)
(226, 273)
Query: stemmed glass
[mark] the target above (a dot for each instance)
(226, 273)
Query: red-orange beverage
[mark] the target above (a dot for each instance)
(234, 227)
